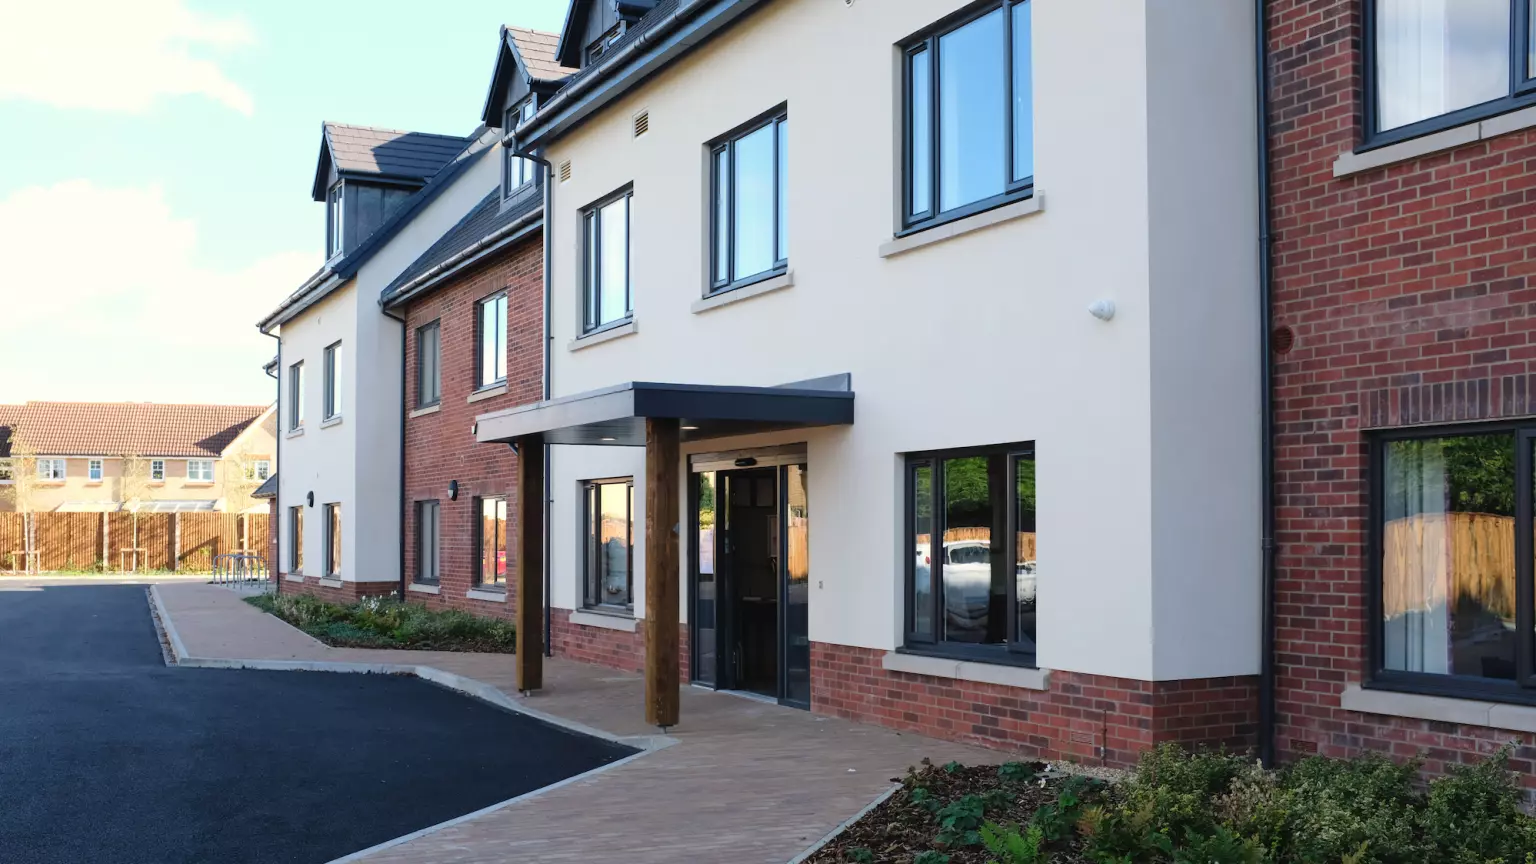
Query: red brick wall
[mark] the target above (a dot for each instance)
(441, 447)
(273, 527)
(347, 592)
(614, 649)
(1090, 718)
(1407, 291)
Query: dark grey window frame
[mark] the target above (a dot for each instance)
(1522, 90)
(296, 539)
(590, 557)
(598, 47)
(331, 406)
(510, 120)
(330, 513)
(592, 261)
(726, 145)
(1521, 690)
(422, 508)
(1012, 652)
(335, 220)
(479, 532)
(424, 397)
(480, 341)
(927, 42)
(296, 396)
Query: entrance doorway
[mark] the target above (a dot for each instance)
(751, 576)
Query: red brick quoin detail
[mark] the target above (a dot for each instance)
(1408, 291)
(1092, 718)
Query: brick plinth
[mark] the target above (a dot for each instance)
(1091, 718)
(1408, 292)
(601, 646)
(347, 592)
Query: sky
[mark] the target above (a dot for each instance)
(156, 158)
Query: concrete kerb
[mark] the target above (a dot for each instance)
(843, 826)
(464, 685)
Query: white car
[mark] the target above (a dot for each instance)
(968, 582)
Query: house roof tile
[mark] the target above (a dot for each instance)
(122, 428)
(390, 152)
(537, 49)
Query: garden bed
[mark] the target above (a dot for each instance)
(1207, 808)
(377, 622)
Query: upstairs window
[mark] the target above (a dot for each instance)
(333, 381)
(296, 396)
(51, 469)
(1431, 64)
(200, 470)
(334, 221)
(429, 382)
(259, 469)
(157, 470)
(601, 44)
(968, 115)
(749, 178)
(5, 471)
(93, 470)
(491, 341)
(517, 172)
(605, 236)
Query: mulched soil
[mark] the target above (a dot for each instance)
(907, 824)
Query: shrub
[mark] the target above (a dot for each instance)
(1473, 815)
(1336, 805)
(382, 622)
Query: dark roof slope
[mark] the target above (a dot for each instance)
(657, 14)
(267, 489)
(123, 428)
(537, 49)
(484, 220)
(391, 152)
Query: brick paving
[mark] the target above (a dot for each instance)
(747, 781)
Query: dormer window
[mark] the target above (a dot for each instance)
(333, 222)
(516, 172)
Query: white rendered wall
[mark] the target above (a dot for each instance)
(980, 339)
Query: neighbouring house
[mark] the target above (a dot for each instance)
(389, 195)
(473, 309)
(1404, 351)
(92, 457)
(826, 362)
(266, 493)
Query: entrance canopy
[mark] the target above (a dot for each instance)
(616, 415)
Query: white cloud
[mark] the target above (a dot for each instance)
(113, 55)
(101, 299)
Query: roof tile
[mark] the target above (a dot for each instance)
(124, 428)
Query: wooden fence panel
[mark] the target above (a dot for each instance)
(1440, 560)
(12, 539)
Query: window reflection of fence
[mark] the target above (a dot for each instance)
(799, 548)
(1444, 559)
(1025, 540)
(187, 542)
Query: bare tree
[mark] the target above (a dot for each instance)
(133, 490)
(21, 494)
(240, 480)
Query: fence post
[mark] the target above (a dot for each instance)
(106, 534)
(176, 542)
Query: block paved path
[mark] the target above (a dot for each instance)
(747, 781)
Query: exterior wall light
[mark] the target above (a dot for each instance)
(453, 490)
(1102, 309)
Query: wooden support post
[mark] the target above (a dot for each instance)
(528, 552)
(663, 516)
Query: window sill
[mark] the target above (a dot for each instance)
(1350, 163)
(197, 484)
(294, 577)
(330, 582)
(986, 219)
(430, 409)
(487, 393)
(598, 337)
(1024, 677)
(744, 292)
(93, 483)
(51, 484)
(605, 620)
(157, 483)
(330, 421)
(294, 433)
(486, 595)
(424, 588)
(1469, 712)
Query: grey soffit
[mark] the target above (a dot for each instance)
(390, 152)
(487, 218)
(616, 415)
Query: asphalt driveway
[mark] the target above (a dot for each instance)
(106, 754)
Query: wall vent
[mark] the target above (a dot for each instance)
(565, 171)
(642, 123)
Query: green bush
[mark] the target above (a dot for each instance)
(380, 622)
(1473, 815)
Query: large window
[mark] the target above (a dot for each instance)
(517, 172)
(1437, 63)
(427, 540)
(491, 341)
(429, 378)
(749, 176)
(296, 541)
(200, 470)
(296, 396)
(332, 540)
(971, 553)
(1452, 564)
(51, 469)
(969, 115)
(610, 544)
(333, 381)
(334, 221)
(491, 534)
(605, 237)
